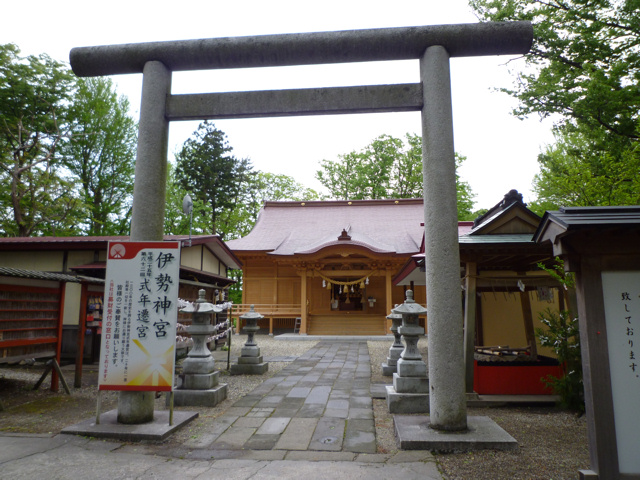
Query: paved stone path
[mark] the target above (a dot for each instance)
(312, 420)
(319, 402)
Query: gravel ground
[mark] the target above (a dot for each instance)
(552, 443)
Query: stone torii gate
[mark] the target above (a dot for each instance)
(431, 45)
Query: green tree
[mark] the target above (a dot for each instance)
(259, 188)
(584, 62)
(206, 169)
(583, 71)
(387, 168)
(581, 171)
(37, 198)
(101, 154)
(176, 222)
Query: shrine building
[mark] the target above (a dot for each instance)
(329, 264)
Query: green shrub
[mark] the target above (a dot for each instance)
(563, 336)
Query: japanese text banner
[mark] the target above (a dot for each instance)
(140, 316)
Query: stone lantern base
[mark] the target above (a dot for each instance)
(200, 398)
(249, 363)
(406, 402)
(200, 389)
(391, 367)
(410, 390)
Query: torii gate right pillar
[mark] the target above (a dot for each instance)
(447, 400)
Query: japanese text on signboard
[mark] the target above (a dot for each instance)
(138, 344)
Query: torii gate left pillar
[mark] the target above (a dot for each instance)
(432, 45)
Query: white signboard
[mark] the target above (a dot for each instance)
(622, 315)
(140, 316)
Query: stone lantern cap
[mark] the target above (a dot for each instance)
(251, 315)
(410, 306)
(201, 306)
(393, 315)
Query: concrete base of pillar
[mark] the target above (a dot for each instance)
(410, 384)
(203, 381)
(156, 430)
(249, 368)
(199, 398)
(250, 360)
(389, 370)
(406, 402)
(414, 433)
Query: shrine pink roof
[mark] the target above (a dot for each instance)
(298, 228)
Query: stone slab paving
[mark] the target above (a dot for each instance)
(320, 402)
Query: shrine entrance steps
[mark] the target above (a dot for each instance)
(348, 324)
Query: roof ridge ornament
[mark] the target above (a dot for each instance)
(344, 235)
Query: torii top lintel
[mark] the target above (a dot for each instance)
(405, 43)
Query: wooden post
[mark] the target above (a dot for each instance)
(303, 303)
(389, 297)
(54, 373)
(470, 300)
(82, 327)
(528, 323)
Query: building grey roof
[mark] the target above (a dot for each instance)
(575, 218)
(510, 238)
(36, 275)
(297, 228)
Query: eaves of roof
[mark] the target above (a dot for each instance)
(412, 270)
(575, 218)
(357, 240)
(496, 239)
(186, 273)
(50, 276)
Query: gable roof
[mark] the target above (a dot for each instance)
(500, 239)
(510, 216)
(299, 228)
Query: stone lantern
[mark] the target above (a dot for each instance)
(200, 379)
(250, 361)
(396, 349)
(410, 390)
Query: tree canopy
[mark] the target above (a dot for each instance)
(582, 171)
(386, 168)
(206, 169)
(34, 96)
(101, 152)
(66, 150)
(583, 71)
(585, 60)
(227, 192)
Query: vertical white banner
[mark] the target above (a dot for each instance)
(140, 316)
(621, 292)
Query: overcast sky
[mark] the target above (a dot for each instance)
(501, 149)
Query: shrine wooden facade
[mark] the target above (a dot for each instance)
(329, 263)
(64, 276)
